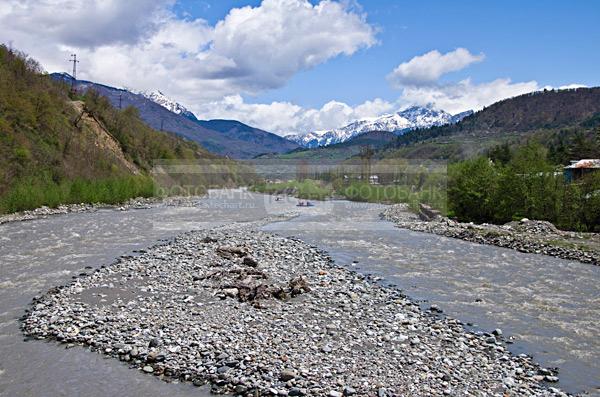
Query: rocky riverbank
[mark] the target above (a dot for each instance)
(537, 237)
(255, 314)
(136, 203)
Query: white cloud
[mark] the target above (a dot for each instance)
(465, 95)
(284, 117)
(142, 44)
(81, 23)
(268, 44)
(419, 81)
(428, 68)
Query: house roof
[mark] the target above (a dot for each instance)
(584, 163)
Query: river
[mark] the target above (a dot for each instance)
(550, 306)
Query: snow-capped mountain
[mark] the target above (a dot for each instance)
(169, 104)
(399, 123)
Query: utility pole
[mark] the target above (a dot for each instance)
(366, 152)
(75, 62)
(162, 121)
(120, 98)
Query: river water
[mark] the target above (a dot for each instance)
(550, 306)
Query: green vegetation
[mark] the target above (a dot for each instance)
(431, 194)
(306, 189)
(523, 182)
(35, 192)
(57, 147)
(396, 183)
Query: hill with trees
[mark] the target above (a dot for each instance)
(506, 161)
(550, 116)
(57, 147)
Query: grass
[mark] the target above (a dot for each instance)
(34, 192)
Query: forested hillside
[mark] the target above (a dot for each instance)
(56, 147)
(548, 116)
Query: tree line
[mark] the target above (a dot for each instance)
(525, 182)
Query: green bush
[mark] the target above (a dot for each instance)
(526, 186)
(31, 193)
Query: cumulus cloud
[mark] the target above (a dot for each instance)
(81, 23)
(428, 68)
(419, 81)
(142, 44)
(285, 117)
(266, 45)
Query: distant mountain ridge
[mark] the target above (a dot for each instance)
(158, 97)
(409, 119)
(341, 151)
(228, 137)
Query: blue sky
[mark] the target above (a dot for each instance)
(294, 66)
(553, 42)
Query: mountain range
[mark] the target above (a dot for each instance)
(223, 137)
(399, 123)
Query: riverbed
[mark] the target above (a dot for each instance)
(548, 305)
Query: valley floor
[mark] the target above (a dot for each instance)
(247, 311)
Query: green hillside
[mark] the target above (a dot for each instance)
(506, 161)
(549, 117)
(56, 148)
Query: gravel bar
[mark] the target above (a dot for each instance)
(256, 314)
(135, 203)
(529, 236)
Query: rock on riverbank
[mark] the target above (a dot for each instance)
(537, 237)
(256, 314)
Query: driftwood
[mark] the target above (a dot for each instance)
(249, 289)
(241, 273)
(298, 285)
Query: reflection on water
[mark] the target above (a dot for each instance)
(548, 304)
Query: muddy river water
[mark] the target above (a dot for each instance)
(550, 306)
